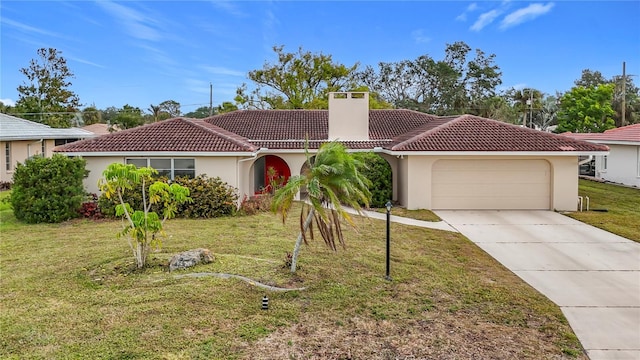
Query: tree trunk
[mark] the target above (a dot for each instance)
(296, 248)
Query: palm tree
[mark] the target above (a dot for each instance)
(332, 181)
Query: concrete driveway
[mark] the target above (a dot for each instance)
(593, 275)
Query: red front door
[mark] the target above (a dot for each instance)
(281, 171)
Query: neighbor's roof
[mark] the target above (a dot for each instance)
(394, 130)
(629, 133)
(179, 135)
(13, 128)
(101, 129)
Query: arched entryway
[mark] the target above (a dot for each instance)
(270, 172)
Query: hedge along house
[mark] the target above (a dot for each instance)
(21, 139)
(454, 162)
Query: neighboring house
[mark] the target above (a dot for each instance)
(622, 164)
(20, 139)
(100, 129)
(455, 162)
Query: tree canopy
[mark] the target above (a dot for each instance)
(629, 91)
(126, 118)
(586, 110)
(300, 80)
(454, 85)
(45, 97)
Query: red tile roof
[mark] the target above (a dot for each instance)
(629, 133)
(397, 130)
(313, 124)
(472, 133)
(179, 134)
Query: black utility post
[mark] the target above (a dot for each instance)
(388, 205)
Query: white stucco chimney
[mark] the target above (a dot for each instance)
(349, 116)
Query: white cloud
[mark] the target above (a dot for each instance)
(135, 23)
(525, 14)
(420, 37)
(8, 102)
(485, 19)
(471, 8)
(229, 7)
(218, 70)
(83, 61)
(30, 29)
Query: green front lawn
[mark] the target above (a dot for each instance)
(622, 205)
(420, 214)
(69, 291)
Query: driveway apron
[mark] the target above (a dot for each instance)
(593, 275)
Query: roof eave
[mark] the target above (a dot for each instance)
(615, 142)
(155, 153)
(44, 137)
(492, 153)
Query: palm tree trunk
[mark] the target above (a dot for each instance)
(296, 248)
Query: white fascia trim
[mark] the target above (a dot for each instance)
(46, 137)
(155, 153)
(492, 153)
(616, 142)
(286, 151)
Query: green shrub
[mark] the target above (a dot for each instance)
(378, 171)
(212, 198)
(48, 189)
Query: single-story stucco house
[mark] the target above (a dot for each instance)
(453, 162)
(20, 139)
(622, 164)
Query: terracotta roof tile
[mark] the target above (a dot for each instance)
(315, 144)
(629, 133)
(313, 124)
(179, 134)
(472, 133)
(398, 130)
(274, 124)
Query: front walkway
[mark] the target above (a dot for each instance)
(438, 225)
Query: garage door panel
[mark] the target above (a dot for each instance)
(487, 203)
(519, 190)
(491, 184)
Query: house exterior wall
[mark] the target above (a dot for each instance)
(96, 165)
(402, 179)
(564, 183)
(416, 186)
(623, 165)
(20, 151)
(224, 167)
(412, 175)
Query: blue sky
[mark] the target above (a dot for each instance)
(145, 52)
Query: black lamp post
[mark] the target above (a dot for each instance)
(388, 205)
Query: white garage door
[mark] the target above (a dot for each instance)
(491, 184)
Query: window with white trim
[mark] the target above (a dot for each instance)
(603, 164)
(7, 155)
(171, 168)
